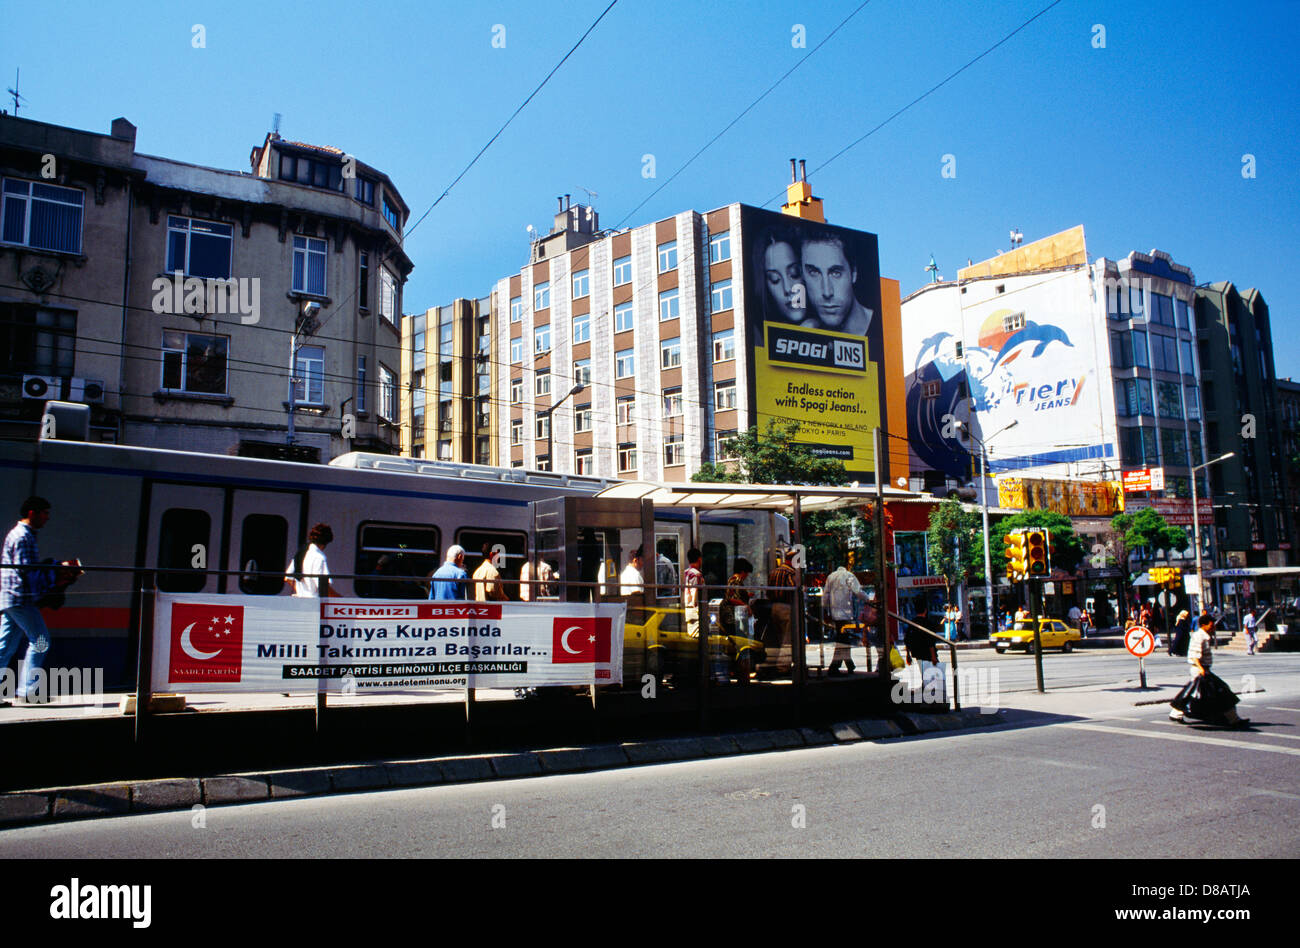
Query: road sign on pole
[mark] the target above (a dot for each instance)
(1140, 642)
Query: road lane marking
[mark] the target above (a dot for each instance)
(1290, 710)
(1261, 733)
(1188, 738)
(1273, 793)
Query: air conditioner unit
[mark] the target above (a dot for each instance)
(90, 391)
(43, 387)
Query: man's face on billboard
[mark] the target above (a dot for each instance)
(830, 281)
(781, 271)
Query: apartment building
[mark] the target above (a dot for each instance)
(448, 371)
(196, 308)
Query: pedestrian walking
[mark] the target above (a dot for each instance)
(838, 595)
(1180, 640)
(951, 622)
(1250, 625)
(735, 600)
(693, 583)
(450, 579)
(21, 591)
(308, 573)
(1206, 697)
(632, 579)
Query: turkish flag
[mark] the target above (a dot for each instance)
(580, 640)
(207, 642)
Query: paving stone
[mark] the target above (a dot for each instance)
(603, 757)
(649, 752)
(917, 723)
(516, 765)
(461, 769)
(234, 789)
(92, 801)
(786, 737)
(816, 736)
(751, 741)
(686, 748)
(367, 777)
(18, 808)
(561, 760)
(299, 783)
(719, 745)
(151, 795)
(845, 731)
(874, 729)
(414, 773)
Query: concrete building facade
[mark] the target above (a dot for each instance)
(175, 298)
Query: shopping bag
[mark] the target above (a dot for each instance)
(895, 660)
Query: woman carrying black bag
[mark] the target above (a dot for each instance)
(1206, 697)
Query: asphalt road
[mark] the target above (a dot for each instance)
(1123, 784)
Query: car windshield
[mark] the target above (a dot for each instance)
(1025, 625)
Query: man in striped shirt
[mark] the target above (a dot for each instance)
(20, 590)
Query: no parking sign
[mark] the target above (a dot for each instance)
(1139, 641)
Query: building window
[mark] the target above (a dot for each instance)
(542, 295)
(309, 255)
(1136, 300)
(1013, 322)
(516, 391)
(37, 341)
(670, 352)
(542, 339)
(724, 396)
(365, 191)
(309, 376)
(1193, 403)
(625, 364)
(669, 304)
(720, 247)
(1164, 353)
(909, 553)
(389, 306)
(672, 402)
(1169, 399)
(931, 389)
(392, 215)
(623, 317)
(516, 432)
(363, 281)
(1188, 366)
(582, 418)
(194, 363)
(516, 308)
(720, 296)
(542, 384)
(581, 284)
(582, 372)
(42, 216)
(1175, 445)
(1121, 350)
(725, 445)
(668, 256)
(623, 410)
(543, 461)
(361, 384)
(311, 172)
(482, 450)
(199, 249)
(674, 450)
(626, 458)
(517, 349)
(1180, 314)
(1141, 357)
(623, 270)
(724, 345)
(581, 328)
(543, 426)
(1162, 309)
(444, 449)
(583, 462)
(387, 393)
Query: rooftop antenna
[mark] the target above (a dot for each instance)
(14, 92)
(932, 268)
(591, 195)
(1017, 238)
(275, 125)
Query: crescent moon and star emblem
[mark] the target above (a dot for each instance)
(564, 640)
(188, 647)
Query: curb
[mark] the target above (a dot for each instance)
(27, 807)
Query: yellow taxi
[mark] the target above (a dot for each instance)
(1053, 633)
(655, 640)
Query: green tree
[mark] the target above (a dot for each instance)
(1147, 529)
(774, 458)
(955, 544)
(830, 535)
(1067, 548)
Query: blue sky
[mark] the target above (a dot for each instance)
(1140, 141)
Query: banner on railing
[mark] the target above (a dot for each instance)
(359, 646)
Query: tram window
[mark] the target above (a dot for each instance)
(402, 554)
(515, 542)
(263, 548)
(667, 556)
(715, 563)
(178, 533)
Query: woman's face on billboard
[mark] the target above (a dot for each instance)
(781, 267)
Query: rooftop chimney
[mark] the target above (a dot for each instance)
(793, 176)
(799, 200)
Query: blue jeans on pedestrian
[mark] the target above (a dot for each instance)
(18, 623)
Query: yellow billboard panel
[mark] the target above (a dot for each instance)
(1070, 497)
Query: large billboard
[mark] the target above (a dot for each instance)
(815, 331)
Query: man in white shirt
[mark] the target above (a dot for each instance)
(309, 577)
(632, 580)
(1250, 625)
(837, 599)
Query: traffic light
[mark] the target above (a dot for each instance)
(1036, 540)
(1159, 574)
(1017, 560)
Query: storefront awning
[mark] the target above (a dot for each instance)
(1245, 572)
(775, 497)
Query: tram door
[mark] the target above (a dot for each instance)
(184, 536)
(264, 527)
(587, 542)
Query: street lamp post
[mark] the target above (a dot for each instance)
(550, 424)
(984, 510)
(1196, 523)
